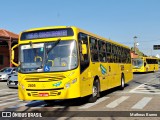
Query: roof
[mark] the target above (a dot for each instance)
(8, 34)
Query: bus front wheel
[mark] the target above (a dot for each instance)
(95, 92)
(122, 83)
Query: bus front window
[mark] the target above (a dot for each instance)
(31, 57)
(62, 56)
(137, 63)
(57, 56)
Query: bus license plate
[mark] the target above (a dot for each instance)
(43, 94)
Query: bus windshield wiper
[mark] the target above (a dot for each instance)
(55, 44)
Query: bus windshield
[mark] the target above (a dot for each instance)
(55, 56)
(137, 63)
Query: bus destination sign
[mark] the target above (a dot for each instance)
(46, 34)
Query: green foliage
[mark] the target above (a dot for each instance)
(138, 52)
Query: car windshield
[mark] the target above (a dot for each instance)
(6, 70)
(137, 63)
(47, 57)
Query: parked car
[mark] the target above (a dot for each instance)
(13, 81)
(5, 73)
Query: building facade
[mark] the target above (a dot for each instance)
(7, 41)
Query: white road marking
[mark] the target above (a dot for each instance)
(133, 90)
(27, 104)
(16, 98)
(7, 103)
(145, 89)
(3, 97)
(56, 107)
(4, 89)
(92, 104)
(142, 103)
(117, 102)
(36, 107)
(144, 92)
(17, 106)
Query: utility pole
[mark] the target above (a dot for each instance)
(135, 37)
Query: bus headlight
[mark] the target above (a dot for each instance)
(21, 85)
(74, 81)
(67, 85)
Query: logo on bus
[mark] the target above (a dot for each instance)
(57, 84)
(103, 69)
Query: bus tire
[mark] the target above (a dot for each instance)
(122, 82)
(95, 92)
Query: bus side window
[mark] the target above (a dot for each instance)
(94, 49)
(102, 51)
(108, 50)
(84, 58)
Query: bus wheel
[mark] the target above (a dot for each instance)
(122, 83)
(95, 92)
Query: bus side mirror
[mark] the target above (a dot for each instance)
(144, 64)
(84, 49)
(12, 54)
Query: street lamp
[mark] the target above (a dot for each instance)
(135, 37)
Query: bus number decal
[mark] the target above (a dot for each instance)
(31, 85)
(122, 67)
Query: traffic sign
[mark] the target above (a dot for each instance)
(156, 47)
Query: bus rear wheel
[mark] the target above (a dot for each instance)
(95, 92)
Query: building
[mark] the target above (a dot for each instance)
(134, 55)
(7, 40)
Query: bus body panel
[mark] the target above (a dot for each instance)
(34, 86)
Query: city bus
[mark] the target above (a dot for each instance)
(65, 62)
(145, 64)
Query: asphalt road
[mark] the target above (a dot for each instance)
(139, 99)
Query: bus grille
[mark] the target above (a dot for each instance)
(44, 78)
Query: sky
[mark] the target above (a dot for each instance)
(118, 20)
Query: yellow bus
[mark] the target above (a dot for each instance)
(145, 64)
(67, 62)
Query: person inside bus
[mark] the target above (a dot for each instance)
(94, 51)
(102, 51)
